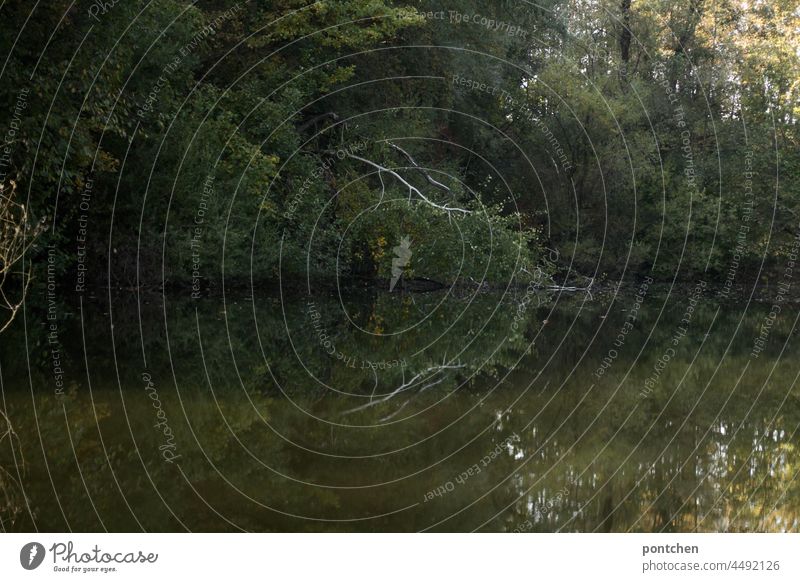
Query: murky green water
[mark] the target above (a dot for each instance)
(376, 412)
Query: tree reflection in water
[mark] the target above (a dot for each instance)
(413, 412)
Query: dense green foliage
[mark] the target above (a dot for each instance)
(278, 139)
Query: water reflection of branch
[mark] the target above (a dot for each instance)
(8, 491)
(11, 434)
(427, 374)
(556, 287)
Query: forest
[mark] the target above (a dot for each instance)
(399, 265)
(163, 143)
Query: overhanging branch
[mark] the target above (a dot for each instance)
(420, 169)
(446, 208)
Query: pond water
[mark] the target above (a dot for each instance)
(370, 411)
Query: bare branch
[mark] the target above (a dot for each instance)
(411, 188)
(420, 169)
(16, 237)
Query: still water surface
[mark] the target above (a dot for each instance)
(375, 411)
